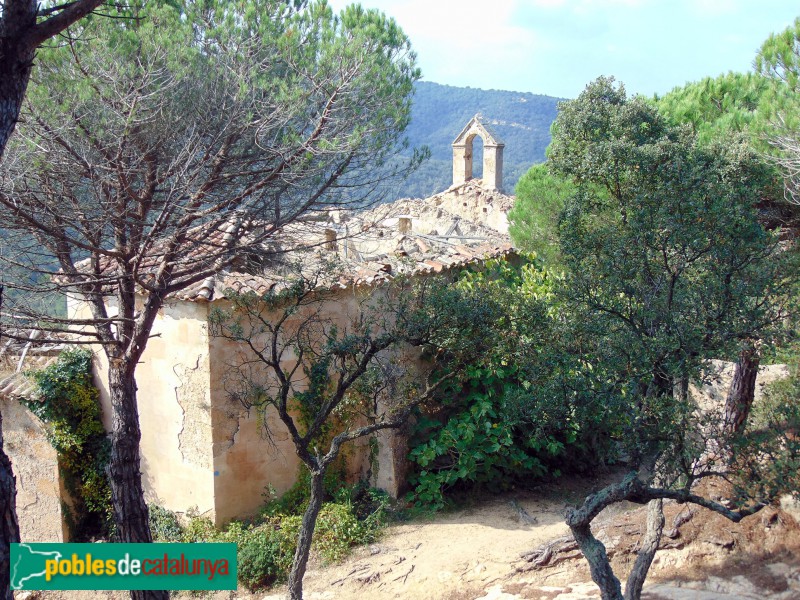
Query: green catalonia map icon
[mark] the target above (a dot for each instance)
(28, 566)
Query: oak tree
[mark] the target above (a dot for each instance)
(667, 268)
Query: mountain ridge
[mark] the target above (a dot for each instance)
(439, 112)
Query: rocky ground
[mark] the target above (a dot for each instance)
(483, 552)
(478, 553)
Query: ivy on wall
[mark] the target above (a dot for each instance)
(67, 402)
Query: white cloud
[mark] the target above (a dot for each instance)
(472, 42)
(556, 46)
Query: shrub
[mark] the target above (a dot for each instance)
(164, 525)
(295, 500)
(68, 403)
(199, 529)
(371, 506)
(266, 548)
(337, 531)
(507, 417)
(260, 555)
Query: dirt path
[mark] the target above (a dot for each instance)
(474, 554)
(459, 555)
(459, 552)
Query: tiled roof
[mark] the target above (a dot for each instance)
(367, 247)
(17, 384)
(344, 272)
(17, 357)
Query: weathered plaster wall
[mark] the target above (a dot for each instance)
(201, 449)
(174, 409)
(391, 465)
(36, 469)
(246, 461)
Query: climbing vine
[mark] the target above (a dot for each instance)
(68, 403)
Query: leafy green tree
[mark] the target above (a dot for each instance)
(533, 221)
(161, 146)
(778, 61)
(667, 268)
(475, 433)
(716, 107)
(332, 374)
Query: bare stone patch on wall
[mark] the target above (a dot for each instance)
(35, 466)
(195, 431)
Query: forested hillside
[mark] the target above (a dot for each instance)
(440, 112)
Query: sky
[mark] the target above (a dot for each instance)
(556, 47)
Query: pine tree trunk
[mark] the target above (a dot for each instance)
(9, 528)
(127, 493)
(742, 390)
(306, 534)
(16, 61)
(650, 541)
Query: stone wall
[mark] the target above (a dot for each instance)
(492, 155)
(35, 465)
(34, 461)
(473, 202)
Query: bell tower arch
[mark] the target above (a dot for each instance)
(492, 155)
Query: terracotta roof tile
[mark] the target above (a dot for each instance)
(369, 248)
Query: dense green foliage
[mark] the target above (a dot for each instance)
(68, 403)
(440, 112)
(762, 106)
(351, 516)
(666, 266)
(716, 107)
(755, 103)
(667, 263)
(778, 61)
(533, 221)
(508, 417)
(779, 56)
